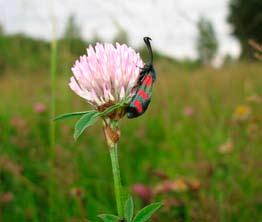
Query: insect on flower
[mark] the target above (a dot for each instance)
(108, 78)
(147, 77)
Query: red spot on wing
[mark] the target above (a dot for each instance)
(143, 94)
(138, 106)
(148, 81)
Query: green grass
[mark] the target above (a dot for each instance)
(164, 139)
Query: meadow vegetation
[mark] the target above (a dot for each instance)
(198, 147)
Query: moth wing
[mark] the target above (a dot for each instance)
(145, 104)
(145, 91)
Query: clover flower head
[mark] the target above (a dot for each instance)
(143, 192)
(106, 75)
(39, 107)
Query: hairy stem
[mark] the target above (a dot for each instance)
(117, 179)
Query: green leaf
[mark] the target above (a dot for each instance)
(129, 209)
(116, 106)
(85, 121)
(109, 218)
(69, 115)
(126, 101)
(110, 109)
(145, 213)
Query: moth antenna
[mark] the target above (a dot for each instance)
(148, 45)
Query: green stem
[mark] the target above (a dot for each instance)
(52, 135)
(117, 180)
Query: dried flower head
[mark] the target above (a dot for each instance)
(255, 98)
(107, 75)
(257, 47)
(6, 197)
(77, 192)
(178, 185)
(241, 113)
(226, 147)
(9, 165)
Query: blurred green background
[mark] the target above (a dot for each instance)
(197, 148)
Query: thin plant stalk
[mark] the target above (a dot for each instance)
(112, 134)
(117, 179)
(53, 66)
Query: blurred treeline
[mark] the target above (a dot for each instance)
(24, 54)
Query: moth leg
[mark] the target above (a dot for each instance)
(141, 76)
